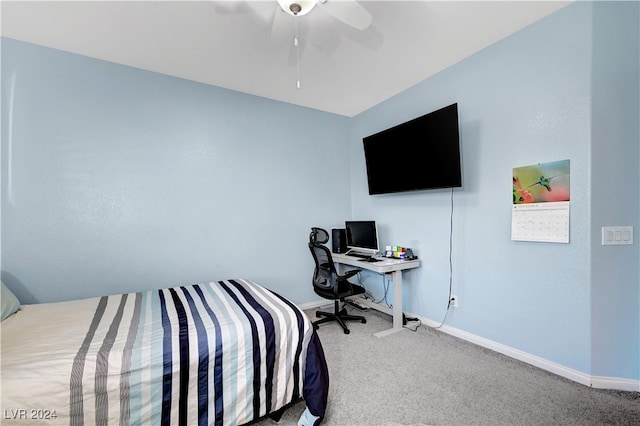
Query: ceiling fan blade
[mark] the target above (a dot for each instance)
(348, 11)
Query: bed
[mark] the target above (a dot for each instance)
(219, 353)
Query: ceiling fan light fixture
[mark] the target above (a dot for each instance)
(297, 7)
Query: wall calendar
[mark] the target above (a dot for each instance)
(541, 198)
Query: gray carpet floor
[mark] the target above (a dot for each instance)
(427, 377)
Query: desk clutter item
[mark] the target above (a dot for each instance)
(398, 252)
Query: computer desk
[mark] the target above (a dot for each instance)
(384, 266)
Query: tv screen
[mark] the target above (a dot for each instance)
(362, 235)
(423, 153)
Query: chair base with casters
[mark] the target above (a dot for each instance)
(338, 315)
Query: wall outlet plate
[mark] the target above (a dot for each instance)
(453, 302)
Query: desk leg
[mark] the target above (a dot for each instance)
(397, 305)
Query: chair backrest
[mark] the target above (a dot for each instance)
(324, 274)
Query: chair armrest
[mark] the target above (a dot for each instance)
(350, 273)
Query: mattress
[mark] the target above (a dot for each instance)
(219, 353)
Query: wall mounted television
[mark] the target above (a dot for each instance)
(420, 154)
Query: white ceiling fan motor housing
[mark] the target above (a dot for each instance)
(297, 7)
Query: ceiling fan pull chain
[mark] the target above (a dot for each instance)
(297, 46)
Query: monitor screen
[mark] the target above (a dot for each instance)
(420, 154)
(362, 235)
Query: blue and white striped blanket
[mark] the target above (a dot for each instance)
(223, 353)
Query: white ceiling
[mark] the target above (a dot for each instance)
(248, 46)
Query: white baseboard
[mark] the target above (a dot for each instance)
(561, 370)
(598, 382)
(601, 382)
(314, 305)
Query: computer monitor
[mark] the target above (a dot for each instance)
(362, 236)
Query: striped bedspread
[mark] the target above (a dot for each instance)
(222, 353)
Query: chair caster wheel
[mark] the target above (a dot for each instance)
(316, 326)
(364, 321)
(347, 331)
(317, 314)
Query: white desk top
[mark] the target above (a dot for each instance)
(383, 266)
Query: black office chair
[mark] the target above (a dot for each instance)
(328, 284)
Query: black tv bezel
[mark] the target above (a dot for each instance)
(414, 146)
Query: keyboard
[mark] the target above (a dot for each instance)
(360, 255)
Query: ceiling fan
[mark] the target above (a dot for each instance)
(348, 11)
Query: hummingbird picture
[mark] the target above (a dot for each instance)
(544, 181)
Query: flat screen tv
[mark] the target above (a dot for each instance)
(362, 236)
(420, 154)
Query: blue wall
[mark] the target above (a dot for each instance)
(116, 179)
(532, 98)
(615, 153)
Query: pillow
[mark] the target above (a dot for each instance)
(8, 300)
